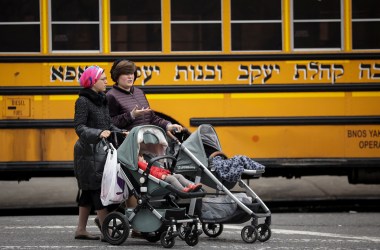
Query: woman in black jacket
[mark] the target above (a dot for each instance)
(92, 123)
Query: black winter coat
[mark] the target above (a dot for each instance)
(91, 118)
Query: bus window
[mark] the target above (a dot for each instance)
(365, 24)
(136, 25)
(74, 29)
(20, 20)
(317, 24)
(194, 28)
(256, 25)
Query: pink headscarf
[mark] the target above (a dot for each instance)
(90, 76)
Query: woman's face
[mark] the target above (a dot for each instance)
(101, 84)
(125, 81)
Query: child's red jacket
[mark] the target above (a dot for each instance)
(154, 170)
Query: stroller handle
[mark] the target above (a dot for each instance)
(173, 137)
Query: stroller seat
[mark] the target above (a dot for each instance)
(153, 145)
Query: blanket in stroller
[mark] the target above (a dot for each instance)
(231, 169)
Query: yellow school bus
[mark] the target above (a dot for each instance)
(294, 84)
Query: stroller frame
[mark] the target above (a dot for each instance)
(154, 223)
(214, 227)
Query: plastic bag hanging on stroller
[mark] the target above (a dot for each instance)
(113, 188)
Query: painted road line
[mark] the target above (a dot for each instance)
(311, 233)
(237, 228)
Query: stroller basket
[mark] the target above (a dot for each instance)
(148, 222)
(178, 213)
(222, 208)
(238, 216)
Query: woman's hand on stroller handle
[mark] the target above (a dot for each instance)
(171, 135)
(174, 128)
(105, 134)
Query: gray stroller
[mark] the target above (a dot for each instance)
(157, 216)
(194, 160)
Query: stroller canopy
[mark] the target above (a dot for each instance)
(146, 139)
(200, 143)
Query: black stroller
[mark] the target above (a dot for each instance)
(194, 157)
(157, 215)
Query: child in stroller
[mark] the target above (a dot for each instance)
(177, 180)
(231, 169)
(198, 157)
(157, 215)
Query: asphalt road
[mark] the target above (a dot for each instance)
(321, 231)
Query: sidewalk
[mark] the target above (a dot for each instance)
(61, 192)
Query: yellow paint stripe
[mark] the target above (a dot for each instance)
(287, 95)
(63, 97)
(347, 25)
(105, 22)
(226, 20)
(166, 32)
(365, 94)
(319, 61)
(221, 96)
(286, 25)
(184, 96)
(44, 27)
(79, 64)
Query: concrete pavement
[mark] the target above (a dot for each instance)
(61, 192)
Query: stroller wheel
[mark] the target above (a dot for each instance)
(212, 230)
(167, 240)
(115, 228)
(249, 234)
(264, 232)
(192, 238)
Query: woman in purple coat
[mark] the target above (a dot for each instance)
(129, 107)
(128, 104)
